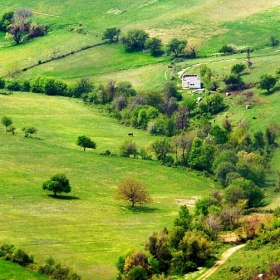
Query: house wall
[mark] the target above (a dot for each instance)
(191, 82)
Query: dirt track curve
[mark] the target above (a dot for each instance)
(221, 261)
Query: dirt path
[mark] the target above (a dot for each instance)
(221, 261)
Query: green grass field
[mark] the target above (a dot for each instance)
(13, 271)
(90, 229)
(214, 24)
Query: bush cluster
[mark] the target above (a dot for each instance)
(10, 253)
(54, 271)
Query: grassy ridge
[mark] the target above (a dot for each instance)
(89, 230)
(215, 24)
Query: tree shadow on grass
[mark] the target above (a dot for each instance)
(63, 197)
(275, 89)
(141, 209)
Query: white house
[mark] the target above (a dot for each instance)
(191, 81)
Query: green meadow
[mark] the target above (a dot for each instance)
(88, 229)
(13, 271)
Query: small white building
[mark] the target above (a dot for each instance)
(191, 81)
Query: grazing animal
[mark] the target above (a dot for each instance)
(130, 134)
(248, 106)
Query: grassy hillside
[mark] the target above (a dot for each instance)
(90, 229)
(212, 22)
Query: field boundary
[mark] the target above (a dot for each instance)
(40, 62)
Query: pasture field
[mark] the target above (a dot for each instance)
(88, 229)
(212, 22)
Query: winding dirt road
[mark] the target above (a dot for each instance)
(221, 261)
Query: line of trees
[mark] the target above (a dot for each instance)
(139, 39)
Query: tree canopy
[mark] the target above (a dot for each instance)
(85, 142)
(135, 40)
(175, 46)
(267, 82)
(6, 121)
(133, 191)
(57, 184)
(112, 34)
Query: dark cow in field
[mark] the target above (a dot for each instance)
(130, 134)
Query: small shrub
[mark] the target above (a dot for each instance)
(2, 83)
(106, 153)
(235, 269)
(13, 85)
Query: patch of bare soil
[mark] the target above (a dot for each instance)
(189, 202)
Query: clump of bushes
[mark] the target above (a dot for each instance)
(57, 271)
(10, 253)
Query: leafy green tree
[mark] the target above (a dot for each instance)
(184, 219)
(267, 82)
(128, 148)
(194, 160)
(2, 83)
(238, 68)
(6, 121)
(234, 82)
(135, 40)
(84, 85)
(207, 156)
(222, 170)
(162, 148)
(227, 49)
(85, 142)
(202, 205)
(234, 193)
(154, 45)
(112, 34)
(125, 88)
(190, 103)
(5, 21)
(170, 90)
(158, 247)
(252, 193)
(133, 191)
(175, 46)
(57, 184)
(54, 87)
(259, 141)
(196, 249)
(216, 103)
(220, 136)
